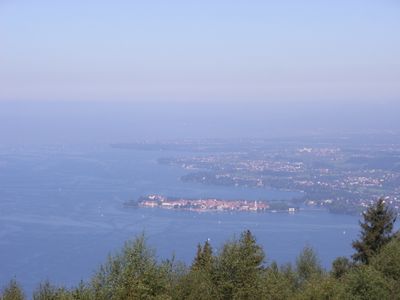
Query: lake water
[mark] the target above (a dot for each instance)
(61, 213)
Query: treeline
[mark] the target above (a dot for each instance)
(239, 271)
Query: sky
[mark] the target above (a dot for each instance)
(115, 71)
(191, 51)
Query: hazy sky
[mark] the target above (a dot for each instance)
(198, 50)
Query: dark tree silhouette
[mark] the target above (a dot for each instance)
(204, 257)
(376, 231)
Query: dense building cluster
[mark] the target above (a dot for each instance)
(202, 205)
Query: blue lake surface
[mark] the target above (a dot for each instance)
(62, 213)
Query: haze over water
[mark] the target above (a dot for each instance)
(63, 122)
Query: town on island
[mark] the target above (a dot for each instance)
(203, 205)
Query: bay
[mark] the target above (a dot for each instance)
(62, 213)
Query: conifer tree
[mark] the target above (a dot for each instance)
(198, 283)
(204, 257)
(133, 273)
(376, 231)
(13, 291)
(239, 268)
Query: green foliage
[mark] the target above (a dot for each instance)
(364, 282)
(238, 268)
(388, 260)
(290, 275)
(132, 274)
(47, 291)
(308, 266)
(82, 292)
(340, 266)
(376, 231)
(12, 291)
(277, 284)
(322, 288)
(204, 258)
(236, 272)
(197, 284)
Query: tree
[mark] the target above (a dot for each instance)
(322, 288)
(13, 291)
(276, 284)
(239, 268)
(47, 291)
(340, 266)
(198, 282)
(204, 257)
(308, 265)
(132, 274)
(364, 282)
(388, 263)
(376, 231)
(82, 292)
(388, 260)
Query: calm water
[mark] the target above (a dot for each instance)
(61, 213)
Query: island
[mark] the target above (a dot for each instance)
(205, 204)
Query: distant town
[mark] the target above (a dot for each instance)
(205, 205)
(341, 174)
